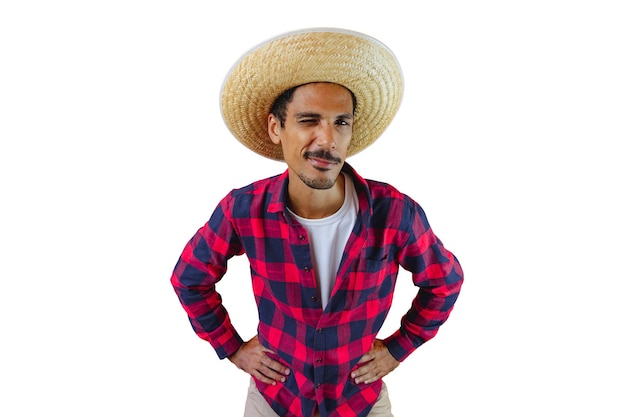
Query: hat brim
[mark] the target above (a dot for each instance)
(356, 61)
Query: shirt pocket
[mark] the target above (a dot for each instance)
(370, 280)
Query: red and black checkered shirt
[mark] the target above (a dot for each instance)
(320, 347)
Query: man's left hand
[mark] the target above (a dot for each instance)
(375, 364)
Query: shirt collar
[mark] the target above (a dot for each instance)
(278, 190)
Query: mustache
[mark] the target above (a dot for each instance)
(326, 155)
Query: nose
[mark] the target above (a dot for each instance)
(326, 135)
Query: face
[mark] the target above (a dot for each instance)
(316, 133)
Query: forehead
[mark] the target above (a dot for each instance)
(324, 95)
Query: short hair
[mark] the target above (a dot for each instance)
(279, 108)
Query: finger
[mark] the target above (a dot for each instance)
(366, 358)
(360, 373)
(368, 373)
(274, 365)
(266, 350)
(279, 367)
(272, 369)
(368, 377)
(263, 378)
(268, 375)
(274, 375)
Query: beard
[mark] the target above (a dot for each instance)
(318, 183)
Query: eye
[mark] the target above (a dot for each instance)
(342, 122)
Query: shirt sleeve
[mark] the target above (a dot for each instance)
(201, 265)
(438, 274)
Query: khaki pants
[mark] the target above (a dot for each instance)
(256, 406)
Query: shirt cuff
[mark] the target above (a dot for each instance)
(401, 346)
(226, 343)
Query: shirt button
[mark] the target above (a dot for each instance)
(318, 385)
(307, 269)
(318, 360)
(314, 299)
(301, 237)
(319, 330)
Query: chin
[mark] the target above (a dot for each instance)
(319, 183)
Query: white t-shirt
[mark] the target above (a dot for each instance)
(328, 237)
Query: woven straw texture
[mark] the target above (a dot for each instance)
(358, 62)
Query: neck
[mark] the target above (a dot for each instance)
(311, 203)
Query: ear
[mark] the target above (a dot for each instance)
(273, 128)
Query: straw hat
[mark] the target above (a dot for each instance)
(358, 62)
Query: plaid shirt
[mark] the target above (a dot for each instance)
(321, 347)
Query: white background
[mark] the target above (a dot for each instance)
(114, 152)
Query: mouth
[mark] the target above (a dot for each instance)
(322, 164)
(322, 160)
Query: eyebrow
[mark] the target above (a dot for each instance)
(317, 115)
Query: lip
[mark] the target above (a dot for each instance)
(322, 163)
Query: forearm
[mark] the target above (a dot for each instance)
(195, 275)
(429, 310)
(209, 319)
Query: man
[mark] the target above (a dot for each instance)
(324, 244)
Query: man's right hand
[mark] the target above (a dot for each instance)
(251, 358)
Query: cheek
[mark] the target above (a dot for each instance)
(343, 142)
(292, 146)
